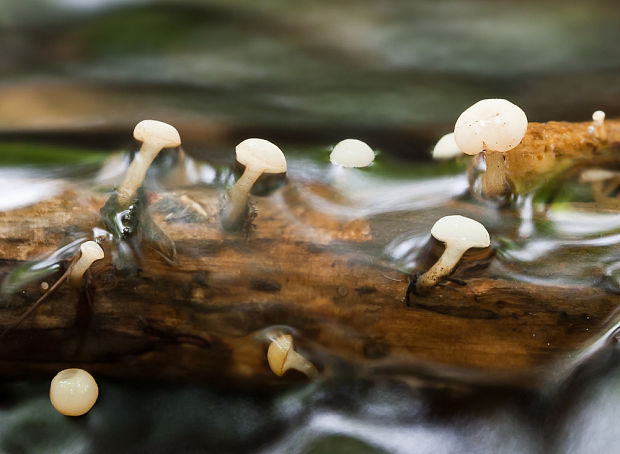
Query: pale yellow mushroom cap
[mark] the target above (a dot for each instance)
(460, 232)
(261, 156)
(598, 117)
(90, 252)
(157, 133)
(278, 352)
(73, 392)
(446, 148)
(352, 153)
(490, 125)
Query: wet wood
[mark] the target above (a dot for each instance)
(209, 316)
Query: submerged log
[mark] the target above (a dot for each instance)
(210, 315)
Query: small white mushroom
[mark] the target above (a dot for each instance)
(352, 153)
(282, 357)
(598, 118)
(459, 234)
(73, 392)
(258, 156)
(494, 126)
(90, 253)
(446, 148)
(155, 136)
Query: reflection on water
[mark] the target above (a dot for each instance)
(338, 416)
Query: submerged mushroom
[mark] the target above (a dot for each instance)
(73, 392)
(446, 148)
(493, 126)
(282, 357)
(352, 153)
(91, 252)
(258, 156)
(459, 234)
(155, 136)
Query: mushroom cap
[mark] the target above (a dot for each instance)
(260, 154)
(598, 116)
(278, 352)
(490, 125)
(461, 232)
(157, 132)
(92, 250)
(73, 392)
(352, 153)
(446, 148)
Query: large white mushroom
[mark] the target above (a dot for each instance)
(352, 153)
(459, 234)
(493, 126)
(73, 392)
(258, 156)
(155, 136)
(282, 357)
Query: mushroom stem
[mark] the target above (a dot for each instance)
(494, 179)
(137, 172)
(236, 209)
(442, 268)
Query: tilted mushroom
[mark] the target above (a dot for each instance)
(282, 357)
(446, 148)
(258, 156)
(155, 136)
(352, 153)
(73, 392)
(459, 234)
(90, 253)
(493, 126)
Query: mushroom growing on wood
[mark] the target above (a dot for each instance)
(258, 156)
(352, 153)
(459, 234)
(90, 253)
(282, 357)
(446, 148)
(494, 126)
(73, 392)
(155, 136)
(598, 120)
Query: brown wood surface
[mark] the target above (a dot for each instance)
(206, 316)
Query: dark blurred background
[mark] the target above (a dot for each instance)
(396, 73)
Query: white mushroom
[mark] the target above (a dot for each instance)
(91, 252)
(282, 357)
(494, 126)
(73, 392)
(446, 148)
(258, 156)
(352, 153)
(459, 234)
(598, 118)
(155, 136)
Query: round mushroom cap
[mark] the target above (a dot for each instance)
(446, 148)
(262, 155)
(461, 232)
(352, 153)
(73, 392)
(598, 116)
(490, 125)
(157, 132)
(92, 250)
